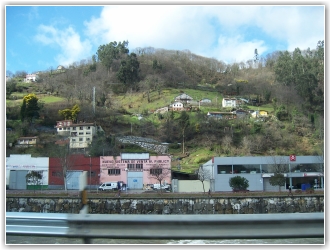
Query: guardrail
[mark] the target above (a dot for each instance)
(141, 226)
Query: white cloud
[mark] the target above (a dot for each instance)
(213, 31)
(68, 41)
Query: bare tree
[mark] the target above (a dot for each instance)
(204, 175)
(279, 166)
(159, 173)
(66, 163)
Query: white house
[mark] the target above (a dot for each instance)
(229, 102)
(80, 134)
(31, 78)
(177, 106)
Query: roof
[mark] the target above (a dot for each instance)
(134, 156)
(27, 137)
(184, 97)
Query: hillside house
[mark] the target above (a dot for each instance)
(240, 113)
(259, 113)
(205, 101)
(80, 134)
(27, 141)
(229, 102)
(177, 106)
(221, 115)
(31, 78)
(184, 98)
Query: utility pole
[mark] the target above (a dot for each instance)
(94, 100)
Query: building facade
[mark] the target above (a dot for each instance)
(300, 171)
(229, 102)
(73, 166)
(17, 168)
(27, 141)
(80, 134)
(133, 169)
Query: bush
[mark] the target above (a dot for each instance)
(238, 183)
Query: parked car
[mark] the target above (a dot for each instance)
(164, 187)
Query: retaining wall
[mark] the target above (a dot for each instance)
(212, 205)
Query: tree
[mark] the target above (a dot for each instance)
(277, 179)
(102, 145)
(203, 175)
(66, 162)
(70, 114)
(128, 73)
(109, 52)
(159, 173)
(30, 107)
(238, 183)
(33, 178)
(279, 166)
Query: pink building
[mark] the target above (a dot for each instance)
(134, 169)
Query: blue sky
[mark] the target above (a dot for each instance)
(40, 37)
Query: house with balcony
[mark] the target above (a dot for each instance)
(80, 134)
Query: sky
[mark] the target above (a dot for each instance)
(40, 38)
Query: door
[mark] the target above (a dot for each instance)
(135, 180)
(17, 179)
(72, 181)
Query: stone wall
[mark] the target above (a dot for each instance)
(221, 205)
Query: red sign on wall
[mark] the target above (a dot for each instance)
(292, 157)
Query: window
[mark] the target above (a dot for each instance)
(224, 169)
(130, 166)
(92, 173)
(88, 133)
(56, 174)
(81, 133)
(88, 127)
(81, 139)
(156, 171)
(60, 129)
(139, 166)
(73, 139)
(113, 171)
(88, 139)
(247, 169)
(74, 128)
(81, 128)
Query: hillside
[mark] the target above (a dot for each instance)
(294, 122)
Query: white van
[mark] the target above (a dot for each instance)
(108, 186)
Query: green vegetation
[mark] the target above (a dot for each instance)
(238, 183)
(288, 85)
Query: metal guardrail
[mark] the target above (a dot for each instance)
(141, 226)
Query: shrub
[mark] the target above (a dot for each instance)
(238, 183)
